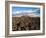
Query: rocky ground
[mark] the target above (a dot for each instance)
(25, 23)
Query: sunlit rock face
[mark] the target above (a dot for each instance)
(25, 23)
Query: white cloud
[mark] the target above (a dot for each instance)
(26, 12)
(23, 11)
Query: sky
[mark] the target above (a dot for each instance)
(17, 10)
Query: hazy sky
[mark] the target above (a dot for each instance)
(35, 10)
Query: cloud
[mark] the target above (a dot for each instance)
(24, 13)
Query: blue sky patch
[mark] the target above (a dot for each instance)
(34, 10)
